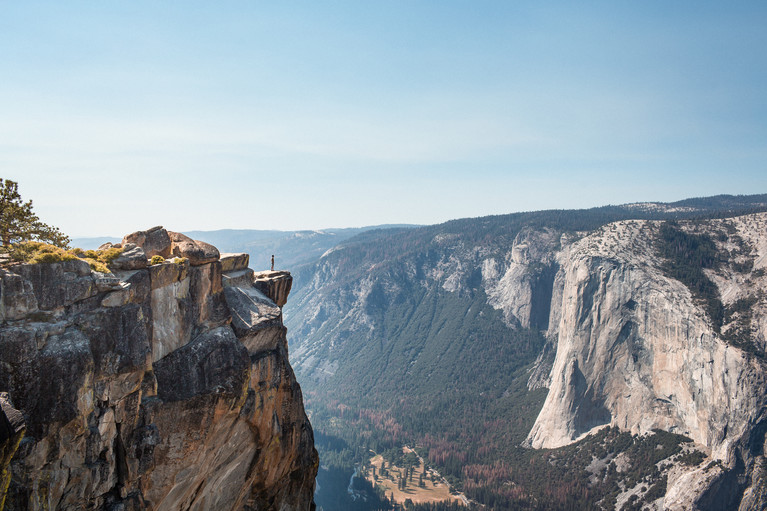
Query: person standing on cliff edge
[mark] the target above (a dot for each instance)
(272, 262)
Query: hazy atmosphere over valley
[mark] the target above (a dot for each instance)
(345, 114)
(383, 255)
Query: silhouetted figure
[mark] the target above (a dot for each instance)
(272, 262)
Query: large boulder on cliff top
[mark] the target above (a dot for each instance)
(132, 258)
(198, 252)
(154, 241)
(234, 262)
(274, 284)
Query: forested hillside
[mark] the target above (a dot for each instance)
(410, 336)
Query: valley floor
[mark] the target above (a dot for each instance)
(423, 486)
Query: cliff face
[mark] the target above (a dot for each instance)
(163, 387)
(635, 349)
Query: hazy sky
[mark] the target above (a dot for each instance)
(117, 116)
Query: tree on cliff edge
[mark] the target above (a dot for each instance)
(19, 223)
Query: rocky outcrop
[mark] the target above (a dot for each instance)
(234, 262)
(163, 387)
(159, 242)
(635, 349)
(198, 252)
(154, 241)
(274, 284)
(132, 257)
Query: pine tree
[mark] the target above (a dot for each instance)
(19, 223)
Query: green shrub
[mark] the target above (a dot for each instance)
(36, 252)
(108, 255)
(47, 249)
(657, 490)
(23, 252)
(97, 266)
(45, 258)
(157, 259)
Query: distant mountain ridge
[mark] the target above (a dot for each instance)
(301, 246)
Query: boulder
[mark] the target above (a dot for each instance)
(154, 241)
(161, 275)
(198, 252)
(234, 262)
(275, 285)
(107, 282)
(132, 258)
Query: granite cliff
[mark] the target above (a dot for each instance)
(585, 309)
(158, 386)
(637, 350)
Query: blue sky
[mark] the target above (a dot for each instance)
(117, 116)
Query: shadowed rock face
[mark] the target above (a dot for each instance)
(142, 395)
(11, 432)
(274, 284)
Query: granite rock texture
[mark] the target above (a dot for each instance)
(154, 241)
(198, 252)
(274, 284)
(160, 389)
(635, 349)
